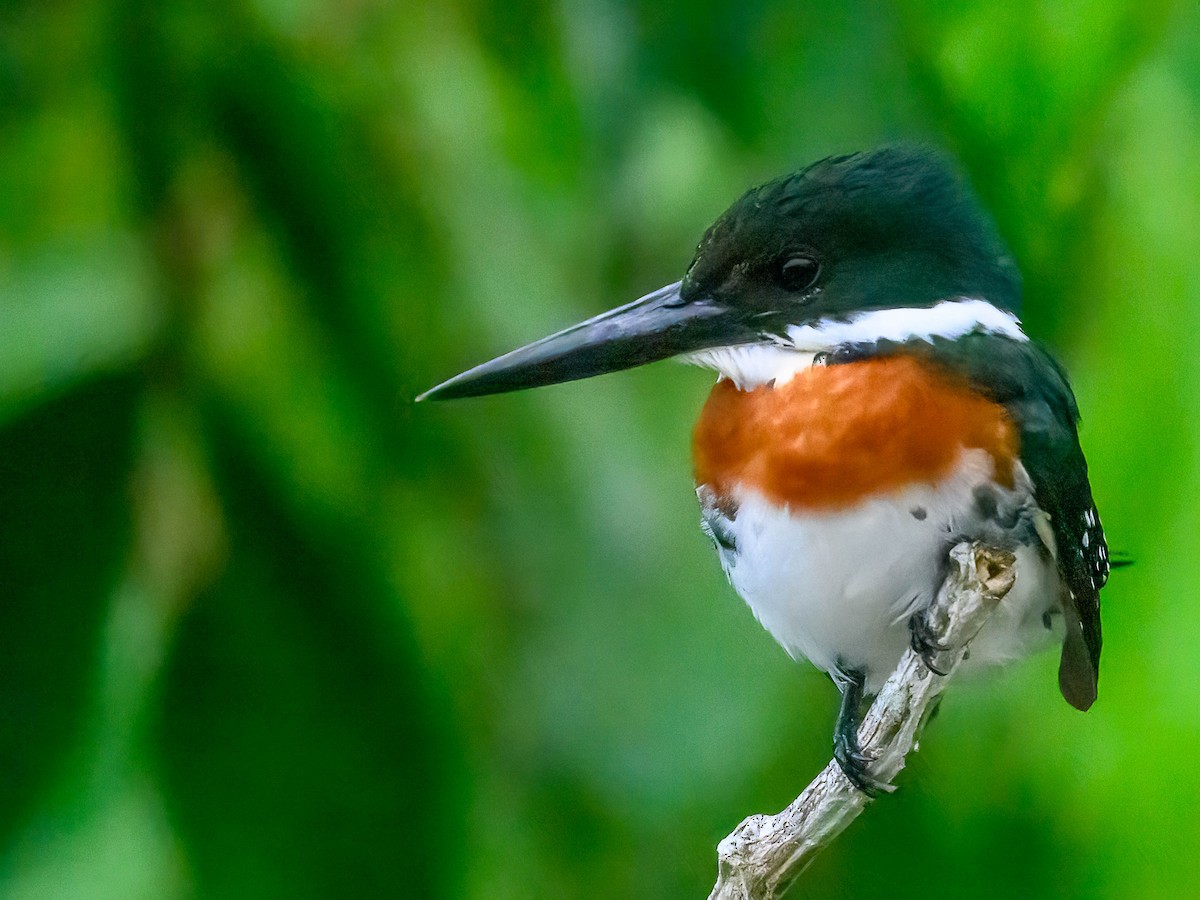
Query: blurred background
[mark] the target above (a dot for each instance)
(269, 630)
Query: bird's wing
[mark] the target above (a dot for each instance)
(1027, 380)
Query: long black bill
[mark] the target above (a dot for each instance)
(655, 327)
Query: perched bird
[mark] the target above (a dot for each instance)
(876, 403)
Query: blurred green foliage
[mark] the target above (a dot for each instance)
(272, 631)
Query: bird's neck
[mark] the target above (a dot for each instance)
(777, 360)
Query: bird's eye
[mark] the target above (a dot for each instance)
(798, 273)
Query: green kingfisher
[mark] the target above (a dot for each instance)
(876, 402)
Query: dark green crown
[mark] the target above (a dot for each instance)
(895, 226)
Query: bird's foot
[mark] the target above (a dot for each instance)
(855, 764)
(925, 643)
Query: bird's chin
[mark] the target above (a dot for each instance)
(750, 366)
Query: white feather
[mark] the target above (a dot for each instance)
(751, 365)
(948, 319)
(838, 587)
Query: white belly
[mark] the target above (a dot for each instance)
(839, 587)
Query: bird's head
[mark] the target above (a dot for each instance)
(883, 244)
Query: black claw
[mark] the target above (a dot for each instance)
(846, 751)
(923, 642)
(854, 765)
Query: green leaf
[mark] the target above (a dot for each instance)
(65, 528)
(301, 756)
(68, 313)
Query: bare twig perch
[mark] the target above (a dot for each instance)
(764, 854)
